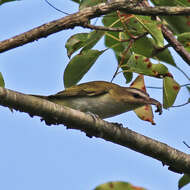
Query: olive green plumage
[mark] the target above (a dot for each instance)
(102, 98)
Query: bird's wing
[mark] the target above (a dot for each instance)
(87, 89)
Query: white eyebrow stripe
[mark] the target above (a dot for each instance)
(139, 91)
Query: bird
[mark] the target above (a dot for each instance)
(103, 99)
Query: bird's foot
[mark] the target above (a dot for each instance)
(93, 115)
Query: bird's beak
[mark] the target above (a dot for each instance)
(157, 104)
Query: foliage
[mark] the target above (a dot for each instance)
(2, 83)
(183, 181)
(118, 185)
(139, 48)
(144, 112)
(5, 1)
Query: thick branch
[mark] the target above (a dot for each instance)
(80, 19)
(73, 119)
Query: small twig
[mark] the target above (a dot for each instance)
(96, 21)
(55, 7)
(124, 21)
(186, 144)
(140, 36)
(122, 59)
(155, 87)
(188, 84)
(183, 72)
(86, 25)
(125, 52)
(181, 104)
(159, 88)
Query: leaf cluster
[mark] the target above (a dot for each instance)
(139, 48)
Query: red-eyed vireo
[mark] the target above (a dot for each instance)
(102, 98)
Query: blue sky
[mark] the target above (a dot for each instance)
(35, 156)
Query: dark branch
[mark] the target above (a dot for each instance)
(83, 16)
(73, 119)
(179, 48)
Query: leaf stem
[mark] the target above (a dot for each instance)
(183, 72)
(181, 105)
(55, 7)
(186, 144)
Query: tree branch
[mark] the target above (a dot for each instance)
(179, 48)
(83, 16)
(73, 119)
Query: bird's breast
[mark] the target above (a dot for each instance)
(103, 105)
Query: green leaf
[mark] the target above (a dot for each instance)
(118, 185)
(133, 26)
(123, 57)
(170, 91)
(151, 52)
(112, 40)
(184, 38)
(75, 42)
(174, 21)
(142, 65)
(112, 20)
(128, 76)
(5, 1)
(93, 38)
(2, 83)
(166, 57)
(140, 44)
(79, 66)
(153, 28)
(185, 179)
(76, 1)
(86, 40)
(130, 26)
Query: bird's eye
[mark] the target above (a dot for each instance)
(135, 95)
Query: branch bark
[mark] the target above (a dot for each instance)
(73, 119)
(179, 48)
(81, 18)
